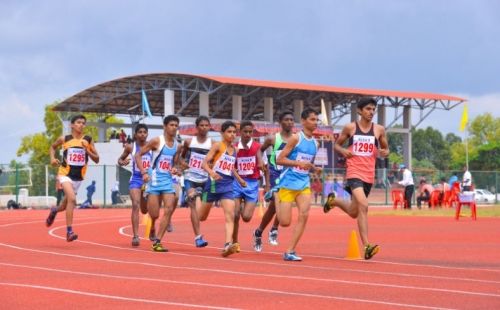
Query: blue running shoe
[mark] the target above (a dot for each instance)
(291, 257)
(200, 243)
(71, 236)
(52, 216)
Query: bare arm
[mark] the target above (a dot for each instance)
(183, 154)
(208, 159)
(52, 151)
(384, 145)
(124, 158)
(344, 135)
(268, 142)
(90, 149)
(283, 157)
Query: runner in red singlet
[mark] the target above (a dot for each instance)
(366, 141)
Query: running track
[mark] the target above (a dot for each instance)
(424, 263)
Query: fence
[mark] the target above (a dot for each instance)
(35, 186)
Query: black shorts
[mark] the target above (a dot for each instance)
(352, 184)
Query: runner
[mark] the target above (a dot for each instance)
(193, 153)
(77, 148)
(249, 164)
(159, 177)
(219, 163)
(277, 142)
(365, 138)
(136, 185)
(294, 184)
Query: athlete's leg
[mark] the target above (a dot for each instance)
(360, 202)
(135, 197)
(238, 204)
(168, 201)
(154, 211)
(228, 205)
(303, 201)
(70, 197)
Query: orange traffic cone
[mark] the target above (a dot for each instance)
(147, 220)
(353, 247)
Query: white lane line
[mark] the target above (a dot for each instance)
(121, 298)
(254, 274)
(268, 291)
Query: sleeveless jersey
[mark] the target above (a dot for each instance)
(75, 158)
(163, 161)
(278, 146)
(223, 165)
(145, 162)
(364, 147)
(195, 155)
(296, 178)
(246, 161)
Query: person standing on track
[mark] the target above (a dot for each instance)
(193, 153)
(366, 141)
(136, 184)
(77, 148)
(249, 164)
(220, 165)
(277, 142)
(294, 184)
(160, 187)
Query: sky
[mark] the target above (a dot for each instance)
(51, 50)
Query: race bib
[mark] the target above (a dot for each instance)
(246, 165)
(225, 164)
(363, 145)
(165, 163)
(195, 161)
(278, 167)
(76, 157)
(146, 161)
(305, 158)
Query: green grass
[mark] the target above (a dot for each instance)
(482, 211)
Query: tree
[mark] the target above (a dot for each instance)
(484, 129)
(428, 144)
(452, 139)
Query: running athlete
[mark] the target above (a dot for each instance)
(77, 148)
(159, 177)
(294, 184)
(193, 153)
(249, 164)
(220, 165)
(277, 142)
(136, 185)
(366, 141)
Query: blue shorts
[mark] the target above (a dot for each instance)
(211, 197)
(196, 185)
(249, 193)
(274, 178)
(160, 189)
(135, 182)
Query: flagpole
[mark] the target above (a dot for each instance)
(466, 149)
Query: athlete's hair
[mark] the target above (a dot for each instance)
(285, 113)
(201, 118)
(226, 125)
(140, 126)
(77, 117)
(245, 123)
(308, 111)
(363, 102)
(170, 118)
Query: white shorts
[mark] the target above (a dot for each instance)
(76, 184)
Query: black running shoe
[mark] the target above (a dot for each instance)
(371, 250)
(71, 236)
(52, 216)
(329, 202)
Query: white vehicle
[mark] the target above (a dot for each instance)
(484, 196)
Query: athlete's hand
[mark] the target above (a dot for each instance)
(176, 171)
(266, 188)
(243, 183)
(346, 153)
(145, 178)
(383, 152)
(305, 165)
(55, 162)
(184, 165)
(215, 176)
(124, 162)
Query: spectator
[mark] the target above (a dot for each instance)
(453, 179)
(466, 180)
(114, 135)
(115, 192)
(408, 184)
(123, 137)
(424, 193)
(90, 192)
(316, 187)
(442, 187)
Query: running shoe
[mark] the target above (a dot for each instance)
(229, 248)
(291, 257)
(152, 234)
(200, 243)
(257, 242)
(273, 237)
(71, 236)
(157, 247)
(136, 241)
(329, 202)
(238, 248)
(51, 217)
(371, 250)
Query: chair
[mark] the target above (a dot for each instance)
(447, 198)
(397, 197)
(468, 200)
(434, 198)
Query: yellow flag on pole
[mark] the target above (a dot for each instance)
(324, 117)
(465, 118)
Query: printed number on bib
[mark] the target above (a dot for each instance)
(76, 157)
(146, 161)
(305, 158)
(246, 165)
(363, 145)
(165, 163)
(195, 161)
(225, 164)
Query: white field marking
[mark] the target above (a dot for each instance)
(121, 298)
(62, 220)
(267, 291)
(253, 274)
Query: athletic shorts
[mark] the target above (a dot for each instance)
(135, 182)
(211, 197)
(352, 184)
(160, 189)
(76, 184)
(198, 186)
(250, 193)
(289, 195)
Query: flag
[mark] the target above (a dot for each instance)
(465, 118)
(145, 105)
(324, 118)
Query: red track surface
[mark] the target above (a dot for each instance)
(424, 262)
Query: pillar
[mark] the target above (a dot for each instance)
(407, 136)
(204, 103)
(169, 102)
(237, 107)
(298, 107)
(268, 109)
